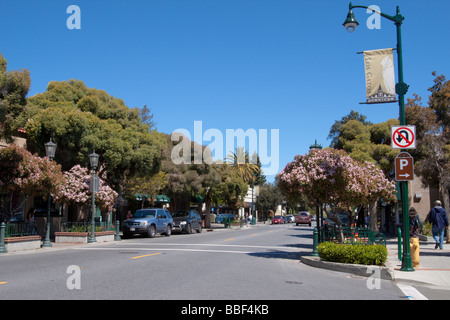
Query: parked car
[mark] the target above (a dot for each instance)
(187, 221)
(277, 220)
(221, 216)
(303, 217)
(289, 218)
(148, 222)
(343, 219)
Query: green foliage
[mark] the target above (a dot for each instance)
(353, 254)
(14, 86)
(82, 119)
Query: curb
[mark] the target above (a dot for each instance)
(357, 269)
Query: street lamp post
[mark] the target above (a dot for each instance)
(93, 158)
(50, 150)
(401, 89)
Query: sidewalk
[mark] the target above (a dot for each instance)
(434, 265)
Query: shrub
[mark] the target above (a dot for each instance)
(353, 254)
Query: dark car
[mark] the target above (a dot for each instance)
(187, 221)
(148, 222)
(303, 217)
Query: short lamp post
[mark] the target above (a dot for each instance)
(50, 150)
(93, 158)
(401, 89)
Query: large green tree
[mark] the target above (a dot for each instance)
(81, 119)
(14, 86)
(432, 155)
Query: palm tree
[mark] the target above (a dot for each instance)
(239, 160)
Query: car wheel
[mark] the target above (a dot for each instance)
(168, 231)
(151, 231)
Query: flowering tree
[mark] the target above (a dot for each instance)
(25, 174)
(77, 190)
(331, 177)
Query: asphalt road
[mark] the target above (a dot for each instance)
(256, 263)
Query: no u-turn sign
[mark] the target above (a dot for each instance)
(403, 137)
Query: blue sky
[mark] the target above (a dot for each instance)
(232, 64)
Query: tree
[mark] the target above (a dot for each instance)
(336, 128)
(26, 175)
(268, 200)
(82, 119)
(330, 177)
(432, 156)
(14, 86)
(240, 161)
(77, 190)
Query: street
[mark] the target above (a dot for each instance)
(256, 263)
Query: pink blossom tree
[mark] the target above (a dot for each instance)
(26, 175)
(330, 177)
(77, 190)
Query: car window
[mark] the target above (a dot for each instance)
(180, 214)
(161, 214)
(145, 214)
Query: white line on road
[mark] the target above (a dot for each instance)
(161, 249)
(410, 292)
(215, 245)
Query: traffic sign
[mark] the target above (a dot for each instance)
(403, 137)
(404, 167)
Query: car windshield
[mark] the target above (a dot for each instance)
(145, 214)
(180, 214)
(277, 217)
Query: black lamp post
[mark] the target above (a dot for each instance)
(93, 158)
(50, 150)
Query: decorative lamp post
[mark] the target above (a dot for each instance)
(319, 212)
(401, 89)
(50, 150)
(93, 158)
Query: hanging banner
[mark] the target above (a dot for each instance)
(380, 76)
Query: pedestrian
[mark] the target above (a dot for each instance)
(438, 218)
(415, 226)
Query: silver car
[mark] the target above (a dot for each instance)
(148, 222)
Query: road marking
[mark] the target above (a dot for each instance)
(229, 239)
(204, 245)
(146, 255)
(3, 282)
(255, 234)
(411, 293)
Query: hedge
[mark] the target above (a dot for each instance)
(353, 254)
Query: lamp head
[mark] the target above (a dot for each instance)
(50, 149)
(93, 158)
(350, 23)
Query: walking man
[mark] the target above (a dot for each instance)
(438, 218)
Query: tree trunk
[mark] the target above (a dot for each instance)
(373, 223)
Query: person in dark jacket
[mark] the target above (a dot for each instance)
(438, 218)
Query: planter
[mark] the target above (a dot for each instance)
(82, 237)
(22, 243)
